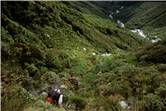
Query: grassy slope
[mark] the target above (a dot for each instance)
(149, 16)
(39, 35)
(143, 14)
(44, 41)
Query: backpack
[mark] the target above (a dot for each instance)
(56, 96)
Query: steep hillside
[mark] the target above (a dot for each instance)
(153, 53)
(62, 17)
(138, 14)
(44, 43)
(148, 16)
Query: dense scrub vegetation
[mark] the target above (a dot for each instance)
(44, 42)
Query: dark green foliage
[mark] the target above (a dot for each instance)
(6, 37)
(47, 40)
(53, 61)
(33, 71)
(19, 34)
(15, 98)
(6, 51)
(27, 54)
(161, 91)
(42, 14)
(66, 60)
(78, 101)
(161, 67)
(49, 77)
(105, 104)
(154, 53)
(151, 102)
(12, 74)
(126, 79)
(141, 14)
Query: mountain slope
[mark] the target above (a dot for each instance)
(148, 16)
(43, 43)
(140, 14)
(45, 40)
(64, 18)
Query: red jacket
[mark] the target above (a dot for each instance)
(50, 100)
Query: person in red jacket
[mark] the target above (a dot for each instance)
(49, 99)
(55, 97)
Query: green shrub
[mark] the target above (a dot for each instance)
(47, 40)
(28, 54)
(66, 60)
(79, 66)
(15, 98)
(150, 102)
(109, 64)
(153, 54)
(5, 51)
(161, 91)
(6, 37)
(161, 67)
(52, 61)
(104, 90)
(33, 71)
(121, 87)
(78, 101)
(104, 66)
(105, 104)
(49, 77)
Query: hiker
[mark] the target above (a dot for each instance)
(58, 97)
(55, 97)
(73, 80)
(49, 98)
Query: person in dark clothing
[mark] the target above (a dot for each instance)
(50, 96)
(58, 97)
(55, 97)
